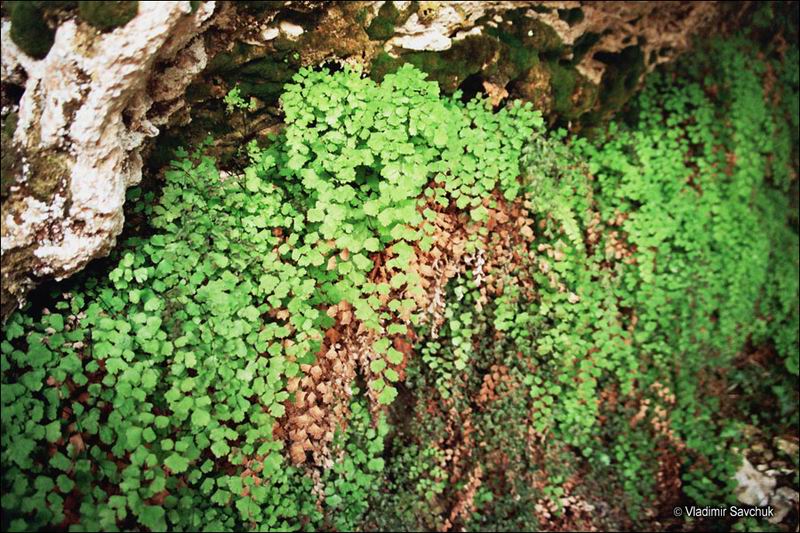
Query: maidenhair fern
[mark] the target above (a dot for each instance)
(409, 312)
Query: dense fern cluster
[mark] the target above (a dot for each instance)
(413, 313)
(667, 248)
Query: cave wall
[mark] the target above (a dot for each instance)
(93, 92)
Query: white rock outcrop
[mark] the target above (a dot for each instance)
(89, 101)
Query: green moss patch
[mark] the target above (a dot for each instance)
(258, 72)
(382, 26)
(29, 30)
(9, 158)
(107, 15)
(47, 173)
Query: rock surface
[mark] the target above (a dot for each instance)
(81, 123)
(90, 107)
(753, 487)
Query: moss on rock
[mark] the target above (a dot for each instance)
(265, 78)
(451, 67)
(562, 85)
(505, 52)
(257, 71)
(573, 95)
(107, 15)
(382, 65)
(582, 45)
(534, 87)
(29, 30)
(9, 156)
(47, 173)
(260, 6)
(331, 32)
(361, 16)
(382, 26)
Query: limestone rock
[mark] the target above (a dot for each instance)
(82, 120)
(754, 488)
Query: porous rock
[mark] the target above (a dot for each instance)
(82, 120)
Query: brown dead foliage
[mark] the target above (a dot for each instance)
(496, 384)
(511, 231)
(320, 397)
(464, 505)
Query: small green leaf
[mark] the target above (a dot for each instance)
(200, 418)
(53, 431)
(387, 395)
(394, 356)
(176, 463)
(220, 448)
(65, 484)
(376, 464)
